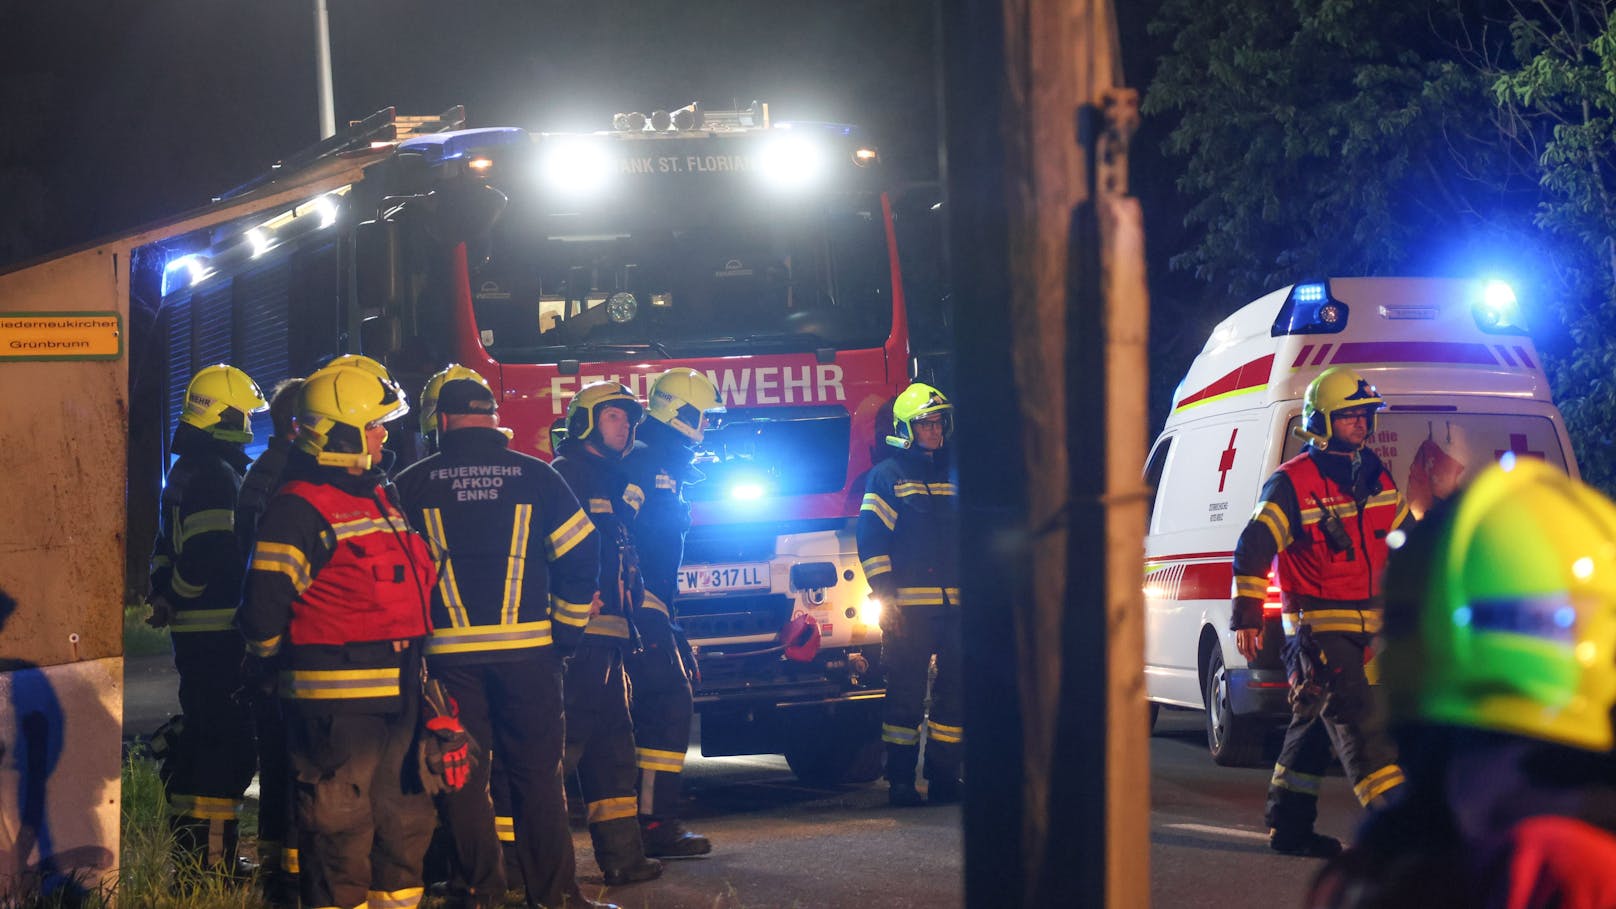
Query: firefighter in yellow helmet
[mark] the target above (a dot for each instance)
(1325, 515)
(1500, 671)
(341, 584)
(601, 422)
(661, 466)
(196, 575)
(908, 528)
(434, 385)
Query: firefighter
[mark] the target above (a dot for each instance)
(907, 527)
(197, 569)
(429, 400)
(660, 674)
(1500, 671)
(277, 838)
(1325, 514)
(342, 585)
(601, 419)
(517, 571)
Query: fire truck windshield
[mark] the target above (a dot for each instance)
(689, 277)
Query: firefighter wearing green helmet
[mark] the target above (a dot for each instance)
(1322, 522)
(197, 568)
(907, 530)
(1500, 671)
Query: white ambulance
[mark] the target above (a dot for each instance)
(1462, 383)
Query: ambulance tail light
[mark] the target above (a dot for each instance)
(1497, 311)
(1310, 310)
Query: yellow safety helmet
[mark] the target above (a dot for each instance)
(680, 396)
(338, 403)
(1337, 388)
(360, 361)
(429, 394)
(584, 409)
(1501, 613)
(918, 400)
(218, 400)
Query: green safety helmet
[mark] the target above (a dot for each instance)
(218, 400)
(679, 398)
(1501, 613)
(583, 411)
(429, 394)
(918, 400)
(1337, 388)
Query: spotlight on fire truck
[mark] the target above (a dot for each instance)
(746, 491)
(1497, 311)
(688, 117)
(327, 210)
(631, 122)
(259, 238)
(621, 307)
(864, 157)
(661, 120)
(577, 168)
(192, 268)
(791, 162)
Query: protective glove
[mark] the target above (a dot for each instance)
(259, 678)
(448, 752)
(162, 612)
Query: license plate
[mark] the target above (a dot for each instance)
(696, 580)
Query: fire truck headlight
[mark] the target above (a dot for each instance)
(621, 307)
(791, 162)
(259, 238)
(746, 492)
(577, 168)
(870, 610)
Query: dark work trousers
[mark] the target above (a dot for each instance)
(600, 748)
(1350, 721)
(514, 709)
(661, 706)
(363, 818)
(210, 766)
(910, 635)
(277, 834)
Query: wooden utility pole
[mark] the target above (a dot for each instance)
(1047, 252)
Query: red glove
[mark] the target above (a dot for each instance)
(449, 752)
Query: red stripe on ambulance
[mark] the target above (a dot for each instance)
(1251, 375)
(1414, 352)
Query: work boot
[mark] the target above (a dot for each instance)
(1307, 844)
(945, 791)
(646, 869)
(905, 795)
(668, 838)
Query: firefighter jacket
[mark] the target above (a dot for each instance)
(1292, 521)
(603, 488)
(340, 582)
(196, 564)
(261, 481)
(516, 557)
(907, 530)
(660, 467)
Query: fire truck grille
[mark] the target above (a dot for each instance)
(705, 618)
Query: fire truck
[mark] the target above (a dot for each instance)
(761, 252)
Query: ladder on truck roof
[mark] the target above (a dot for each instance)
(383, 126)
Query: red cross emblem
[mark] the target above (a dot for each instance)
(1226, 462)
(1517, 444)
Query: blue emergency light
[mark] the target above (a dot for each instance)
(1310, 310)
(1497, 310)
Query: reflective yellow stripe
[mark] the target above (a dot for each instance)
(1273, 517)
(265, 648)
(210, 521)
(576, 529)
(600, 506)
(1378, 784)
(395, 899)
(568, 613)
(338, 684)
(204, 807)
(944, 489)
(289, 861)
(516, 563)
(607, 626)
(900, 735)
(1358, 621)
(286, 559)
(941, 733)
(925, 596)
(663, 761)
(613, 809)
(1247, 586)
(480, 638)
(875, 565)
(1303, 783)
(184, 588)
(357, 528)
(202, 620)
(654, 602)
(878, 506)
(910, 488)
(953, 594)
(161, 561)
(505, 828)
(448, 585)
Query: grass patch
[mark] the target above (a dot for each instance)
(150, 877)
(140, 639)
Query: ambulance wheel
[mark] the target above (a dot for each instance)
(1235, 741)
(841, 747)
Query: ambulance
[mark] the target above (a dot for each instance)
(1463, 386)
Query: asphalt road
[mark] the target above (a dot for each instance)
(778, 843)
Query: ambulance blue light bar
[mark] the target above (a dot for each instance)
(1497, 311)
(1310, 310)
